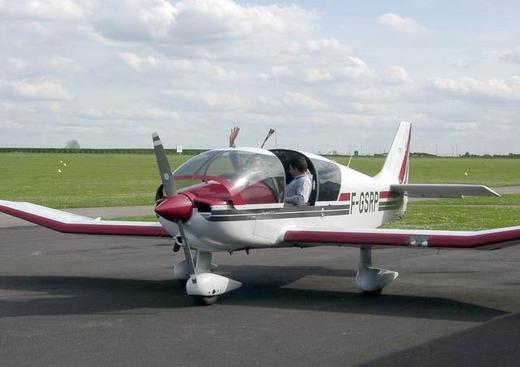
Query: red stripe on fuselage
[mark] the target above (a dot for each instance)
(344, 196)
(402, 173)
(388, 194)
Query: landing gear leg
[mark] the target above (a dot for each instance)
(370, 280)
(181, 270)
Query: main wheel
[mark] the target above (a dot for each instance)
(205, 300)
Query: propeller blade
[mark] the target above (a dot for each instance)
(164, 167)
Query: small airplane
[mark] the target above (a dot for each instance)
(232, 199)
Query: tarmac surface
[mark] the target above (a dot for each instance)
(76, 300)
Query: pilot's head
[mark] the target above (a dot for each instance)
(297, 166)
(256, 163)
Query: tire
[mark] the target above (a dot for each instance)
(205, 301)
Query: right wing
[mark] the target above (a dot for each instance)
(486, 239)
(61, 221)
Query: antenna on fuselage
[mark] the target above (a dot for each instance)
(349, 160)
(269, 133)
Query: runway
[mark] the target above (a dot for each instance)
(110, 301)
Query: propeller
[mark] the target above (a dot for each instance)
(164, 166)
(176, 207)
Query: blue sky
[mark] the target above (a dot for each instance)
(328, 75)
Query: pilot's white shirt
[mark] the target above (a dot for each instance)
(298, 191)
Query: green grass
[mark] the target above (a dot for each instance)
(88, 180)
(458, 214)
(491, 171)
(91, 180)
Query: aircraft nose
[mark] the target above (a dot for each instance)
(177, 207)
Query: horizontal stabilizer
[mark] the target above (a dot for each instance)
(442, 190)
(62, 221)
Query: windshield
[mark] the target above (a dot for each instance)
(251, 176)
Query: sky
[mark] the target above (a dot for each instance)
(328, 75)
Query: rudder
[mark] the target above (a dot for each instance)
(396, 167)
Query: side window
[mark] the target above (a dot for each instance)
(329, 177)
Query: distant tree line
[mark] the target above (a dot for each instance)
(197, 151)
(97, 151)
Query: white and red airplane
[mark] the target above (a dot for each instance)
(233, 199)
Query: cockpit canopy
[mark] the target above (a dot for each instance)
(251, 176)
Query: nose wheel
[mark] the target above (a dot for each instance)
(205, 300)
(199, 280)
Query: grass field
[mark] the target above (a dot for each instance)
(458, 214)
(491, 172)
(87, 180)
(90, 180)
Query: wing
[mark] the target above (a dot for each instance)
(442, 190)
(71, 223)
(486, 239)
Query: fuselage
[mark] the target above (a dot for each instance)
(238, 211)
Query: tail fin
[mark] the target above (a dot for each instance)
(395, 169)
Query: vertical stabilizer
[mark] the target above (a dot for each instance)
(395, 169)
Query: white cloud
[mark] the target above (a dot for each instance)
(492, 88)
(42, 65)
(397, 74)
(510, 56)
(187, 67)
(402, 24)
(323, 70)
(41, 9)
(200, 21)
(299, 100)
(23, 89)
(202, 65)
(212, 100)
(319, 45)
(129, 114)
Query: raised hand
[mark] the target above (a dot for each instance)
(233, 136)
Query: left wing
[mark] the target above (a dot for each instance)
(486, 239)
(71, 223)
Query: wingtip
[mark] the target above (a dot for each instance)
(490, 190)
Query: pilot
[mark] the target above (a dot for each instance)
(299, 189)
